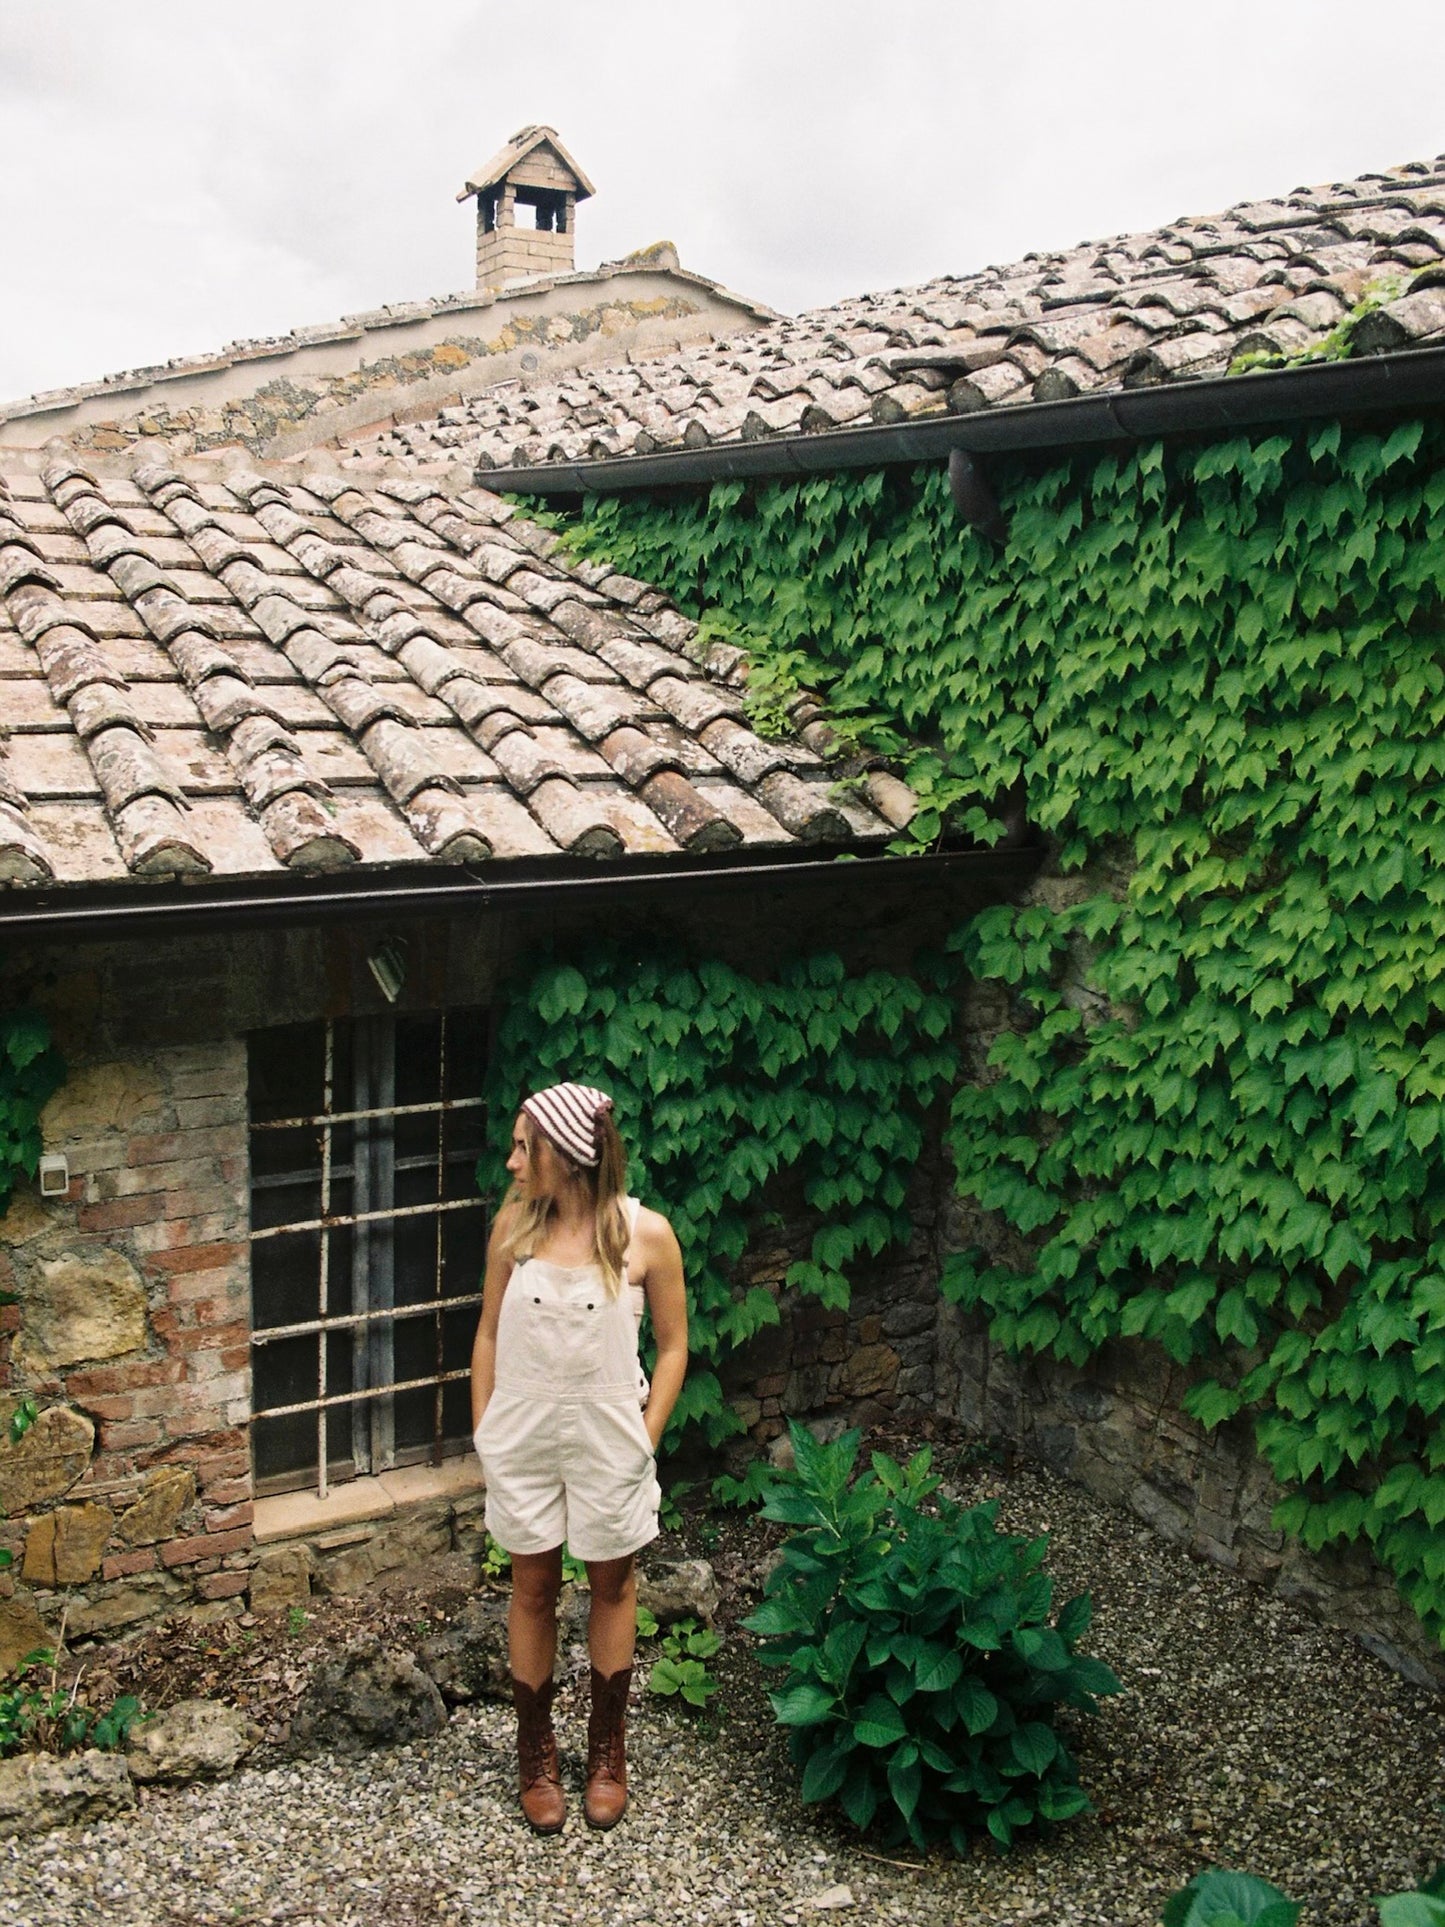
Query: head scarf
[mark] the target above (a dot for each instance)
(568, 1116)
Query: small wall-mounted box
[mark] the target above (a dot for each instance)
(54, 1177)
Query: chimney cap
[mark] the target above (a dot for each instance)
(524, 142)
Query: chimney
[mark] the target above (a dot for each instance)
(526, 206)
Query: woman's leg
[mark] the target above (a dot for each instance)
(612, 1617)
(532, 1617)
(532, 1646)
(611, 1635)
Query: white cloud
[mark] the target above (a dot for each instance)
(174, 176)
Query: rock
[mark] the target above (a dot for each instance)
(123, 1604)
(64, 1548)
(46, 1463)
(38, 1791)
(871, 1368)
(832, 1897)
(192, 1740)
(679, 1589)
(367, 1697)
(281, 1577)
(25, 1219)
(88, 1305)
(101, 1097)
(163, 1498)
(467, 1659)
(22, 1632)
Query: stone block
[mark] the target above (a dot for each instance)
(405, 1545)
(166, 1494)
(868, 1370)
(281, 1577)
(22, 1631)
(906, 1319)
(25, 1218)
(47, 1461)
(86, 1305)
(65, 1548)
(100, 1098)
(126, 1604)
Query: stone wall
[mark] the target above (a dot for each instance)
(1118, 1427)
(402, 364)
(132, 1491)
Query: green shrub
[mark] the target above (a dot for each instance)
(50, 1718)
(1219, 1899)
(1216, 1898)
(683, 1650)
(923, 1673)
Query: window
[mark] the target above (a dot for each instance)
(368, 1241)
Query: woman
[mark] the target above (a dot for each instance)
(565, 1422)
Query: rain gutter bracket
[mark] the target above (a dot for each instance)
(973, 498)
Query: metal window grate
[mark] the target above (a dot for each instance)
(367, 1242)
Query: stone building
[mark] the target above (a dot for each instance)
(302, 756)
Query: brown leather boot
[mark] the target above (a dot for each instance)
(540, 1779)
(606, 1795)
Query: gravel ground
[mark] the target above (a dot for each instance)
(1248, 1737)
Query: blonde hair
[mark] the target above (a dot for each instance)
(528, 1216)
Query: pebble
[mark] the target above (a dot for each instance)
(1311, 1764)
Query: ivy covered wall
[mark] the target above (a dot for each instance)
(1219, 673)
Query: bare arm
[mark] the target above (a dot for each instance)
(484, 1346)
(667, 1301)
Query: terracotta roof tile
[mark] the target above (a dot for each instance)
(1104, 314)
(246, 670)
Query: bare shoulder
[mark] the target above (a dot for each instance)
(653, 1234)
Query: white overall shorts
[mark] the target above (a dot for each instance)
(562, 1442)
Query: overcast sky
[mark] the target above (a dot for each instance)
(176, 175)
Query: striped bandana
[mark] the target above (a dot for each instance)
(567, 1114)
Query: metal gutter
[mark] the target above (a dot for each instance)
(144, 910)
(1405, 382)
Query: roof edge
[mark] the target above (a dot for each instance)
(353, 327)
(1399, 383)
(135, 909)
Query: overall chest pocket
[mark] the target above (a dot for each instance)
(566, 1342)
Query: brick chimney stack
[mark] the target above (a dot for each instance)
(533, 177)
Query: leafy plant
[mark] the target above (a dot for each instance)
(46, 1717)
(1215, 1119)
(1219, 1899)
(924, 1675)
(31, 1071)
(680, 1669)
(1216, 1898)
(297, 1619)
(724, 1083)
(496, 1561)
(670, 1510)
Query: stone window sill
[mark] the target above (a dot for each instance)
(296, 1515)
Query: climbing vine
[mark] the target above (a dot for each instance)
(725, 1082)
(30, 1071)
(1215, 1120)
